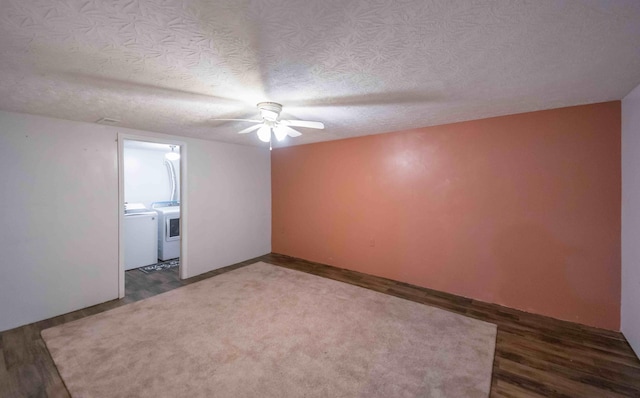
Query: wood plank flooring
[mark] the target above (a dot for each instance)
(536, 356)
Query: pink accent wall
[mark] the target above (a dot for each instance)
(520, 210)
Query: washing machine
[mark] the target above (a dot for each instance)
(140, 236)
(168, 229)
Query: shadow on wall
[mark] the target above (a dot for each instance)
(526, 253)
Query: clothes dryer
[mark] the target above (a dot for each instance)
(168, 232)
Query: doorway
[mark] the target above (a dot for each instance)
(152, 207)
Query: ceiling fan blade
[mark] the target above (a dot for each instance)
(250, 129)
(242, 120)
(290, 132)
(303, 123)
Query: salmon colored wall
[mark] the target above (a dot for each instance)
(520, 210)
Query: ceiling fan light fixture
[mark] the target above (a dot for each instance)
(280, 133)
(264, 133)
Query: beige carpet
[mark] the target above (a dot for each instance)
(267, 331)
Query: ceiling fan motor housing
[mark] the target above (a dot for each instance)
(270, 110)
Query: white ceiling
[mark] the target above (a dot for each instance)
(361, 67)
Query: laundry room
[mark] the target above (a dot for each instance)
(152, 206)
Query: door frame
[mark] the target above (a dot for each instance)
(183, 202)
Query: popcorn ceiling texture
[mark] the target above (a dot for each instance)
(361, 67)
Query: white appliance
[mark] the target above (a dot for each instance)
(140, 236)
(168, 230)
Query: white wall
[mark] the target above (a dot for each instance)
(146, 179)
(59, 207)
(229, 204)
(630, 324)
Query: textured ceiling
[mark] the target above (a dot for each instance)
(361, 67)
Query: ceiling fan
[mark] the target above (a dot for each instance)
(270, 112)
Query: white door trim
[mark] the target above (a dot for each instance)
(183, 202)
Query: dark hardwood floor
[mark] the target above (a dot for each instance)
(536, 356)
